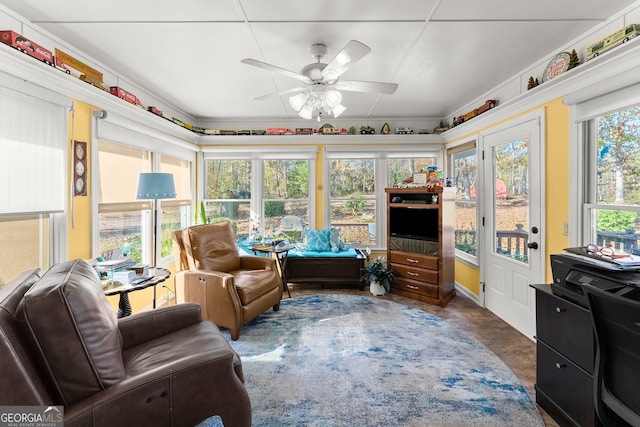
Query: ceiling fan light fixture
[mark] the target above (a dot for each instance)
(332, 98)
(343, 58)
(338, 109)
(306, 112)
(298, 101)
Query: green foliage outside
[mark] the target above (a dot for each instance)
(356, 206)
(616, 220)
(273, 208)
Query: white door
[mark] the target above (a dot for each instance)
(512, 251)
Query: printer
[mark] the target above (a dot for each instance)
(571, 271)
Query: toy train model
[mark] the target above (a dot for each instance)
(489, 104)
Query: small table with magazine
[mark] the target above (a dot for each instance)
(124, 306)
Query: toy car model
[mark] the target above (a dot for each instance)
(404, 131)
(25, 45)
(367, 130)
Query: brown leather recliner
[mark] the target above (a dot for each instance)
(61, 344)
(231, 289)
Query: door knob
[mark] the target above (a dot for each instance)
(532, 245)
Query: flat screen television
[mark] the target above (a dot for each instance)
(412, 223)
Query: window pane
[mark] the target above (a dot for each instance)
(228, 193)
(401, 169)
(286, 199)
(25, 245)
(121, 231)
(353, 203)
(618, 158)
(175, 212)
(120, 167)
(464, 172)
(615, 218)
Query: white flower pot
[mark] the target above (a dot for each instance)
(377, 289)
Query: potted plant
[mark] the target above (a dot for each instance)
(378, 275)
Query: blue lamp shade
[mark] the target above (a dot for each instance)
(156, 186)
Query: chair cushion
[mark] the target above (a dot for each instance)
(318, 240)
(74, 330)
(211, 247)
(252, 284)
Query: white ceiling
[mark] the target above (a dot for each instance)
(442, 53)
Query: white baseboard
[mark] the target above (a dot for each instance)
(466, 292)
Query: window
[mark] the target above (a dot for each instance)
(464, 170)
(612, 208)
(228, 194)
(33, 140)
(265, 194)
(286, 198)
(121, 217)
(126, 224)
(353, 200)
(175, 212)
(357, 178)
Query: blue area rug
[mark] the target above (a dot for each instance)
(348, 360)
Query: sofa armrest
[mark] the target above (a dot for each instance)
(250, 262)
(147, 325)
(198, 379)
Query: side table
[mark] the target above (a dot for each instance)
(281, 253)
(124, 306)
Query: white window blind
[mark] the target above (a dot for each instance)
(33, 136)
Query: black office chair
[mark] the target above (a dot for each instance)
(616, 321)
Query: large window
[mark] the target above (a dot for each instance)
(464, 173)
(126, 224)
(356, 178)
(265, 195)
(353, 200)
(33, 140)
(122, 218)
(612, 208)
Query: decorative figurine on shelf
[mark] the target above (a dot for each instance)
(385, 129)
(433, 180)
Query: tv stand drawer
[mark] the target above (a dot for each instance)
(421, 274)
(415, 287)
(414, 260)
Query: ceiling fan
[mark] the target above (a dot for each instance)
(321, 82)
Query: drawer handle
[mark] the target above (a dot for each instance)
(413, 260)
(559, 310)
(411, 273)
(560, 365)
(412, 287)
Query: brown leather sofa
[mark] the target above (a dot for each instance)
(231, 289)
(61, 344)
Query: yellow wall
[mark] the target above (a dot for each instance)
(79, 223)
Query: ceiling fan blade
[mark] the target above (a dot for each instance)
(359, 86)
(281, 93)
(264, 65)
(353, 52)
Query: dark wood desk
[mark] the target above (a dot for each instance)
(281, 255)
(124, 306)
(565, 352)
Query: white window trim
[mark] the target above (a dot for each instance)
(257, 155)
(377, 152)
(614, 90)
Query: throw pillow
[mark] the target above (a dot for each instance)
(336, 243)
(318, 240)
